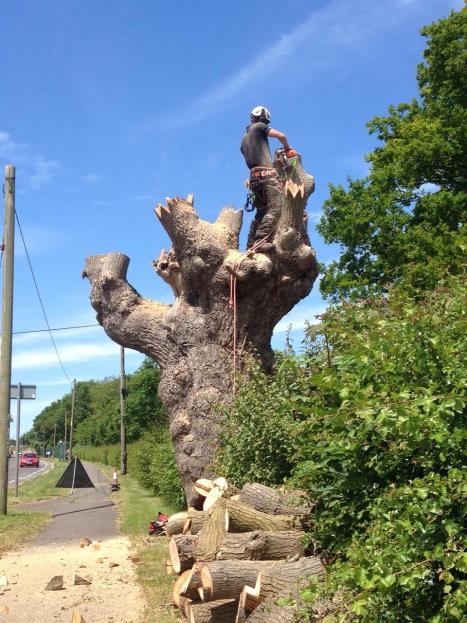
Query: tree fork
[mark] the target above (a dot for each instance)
(191, 339)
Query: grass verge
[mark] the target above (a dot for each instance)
(137, 507)
(39, 488)
(18, 526)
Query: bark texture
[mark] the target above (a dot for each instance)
(193, 339)
(221, 611)
(273, 502)
(258, 545)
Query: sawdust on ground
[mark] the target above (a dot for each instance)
(112, 597)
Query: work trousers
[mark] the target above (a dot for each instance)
(268, 198)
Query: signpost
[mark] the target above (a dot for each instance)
(18, 392)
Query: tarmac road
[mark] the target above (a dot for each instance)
(25, 473)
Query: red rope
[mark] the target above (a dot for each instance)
(233, 299)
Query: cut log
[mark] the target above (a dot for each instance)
(195, 521)
(192, 583)
(168, 567)
(79, 581)
(225, 579)
(182, 551)
(285, 579)
(212, 498)
(221, 611)
(273, 502)
(203, 486)
(212, 534)
(177, 587)
(183, 603)
(244, 518)
(175, 523)
(270, 612)
(258, 545)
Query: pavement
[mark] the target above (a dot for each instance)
(87, 512)
(105, 560)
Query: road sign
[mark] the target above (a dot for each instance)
(28, 392)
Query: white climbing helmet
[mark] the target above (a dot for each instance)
(262, 113)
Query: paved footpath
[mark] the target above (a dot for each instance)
(112, 595)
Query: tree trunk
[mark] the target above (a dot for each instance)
(273, 502)
(221, 611)
(244, 518)
(195, 521)
(194, 340)
(261, 546)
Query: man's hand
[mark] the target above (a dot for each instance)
(290, 153)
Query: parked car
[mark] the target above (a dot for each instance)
(29, 459)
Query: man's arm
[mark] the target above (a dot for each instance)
(280, 136)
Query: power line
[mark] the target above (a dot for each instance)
(79, 326)
(40, 298)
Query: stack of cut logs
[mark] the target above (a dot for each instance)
(240, 554)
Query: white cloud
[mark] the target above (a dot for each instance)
(35, 168)
(299, 318)
(324, 38)
(43, 170)
(72, 353)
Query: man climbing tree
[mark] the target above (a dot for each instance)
(227, 302)
(264, 184)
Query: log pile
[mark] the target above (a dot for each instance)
(236, 555)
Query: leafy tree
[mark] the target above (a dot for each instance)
(371, 422)
(405, 219)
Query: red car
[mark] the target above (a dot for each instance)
(29, 459)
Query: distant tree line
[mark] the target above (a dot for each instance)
(97, 411)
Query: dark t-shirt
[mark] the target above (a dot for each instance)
(255, 145)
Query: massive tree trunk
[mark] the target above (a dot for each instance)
(194, 340)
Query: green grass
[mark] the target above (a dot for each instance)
(137, 507)
(39, 488)
(18, 526)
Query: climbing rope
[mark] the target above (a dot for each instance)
(233, 298)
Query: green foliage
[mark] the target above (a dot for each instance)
(258, 438)
(97, 410)
(405, 220)
(375, 413)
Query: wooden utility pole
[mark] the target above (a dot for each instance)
(55, 440)
(66, 433)
(122, 412)
(73, 393)
(7, 326)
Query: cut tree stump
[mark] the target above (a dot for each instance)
(244, 518)
(220, 611)
(182, 551)
(225, 579)
(273, 502)
(259, 545)
(175, 524)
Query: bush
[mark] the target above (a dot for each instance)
(375, 411)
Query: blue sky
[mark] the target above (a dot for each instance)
(107, 107)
